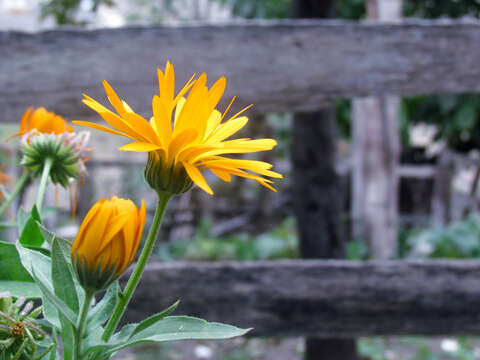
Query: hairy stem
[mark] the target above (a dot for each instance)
(47, 166)
(80, 328)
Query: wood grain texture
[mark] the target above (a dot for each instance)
(292, 65)
(325, 298)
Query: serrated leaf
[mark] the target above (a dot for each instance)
(62, 278)
(155, 318)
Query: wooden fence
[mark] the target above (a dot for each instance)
(281, 67)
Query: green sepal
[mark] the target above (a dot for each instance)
(94, 279)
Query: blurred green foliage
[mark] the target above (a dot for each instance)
(417, 348)
(460, 240)
(457, 117)
(263, 9)
(64, 10)
(279, 243)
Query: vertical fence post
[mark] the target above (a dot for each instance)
(317, 196)
(375, 156)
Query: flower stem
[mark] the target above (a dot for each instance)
(21, 183)
(47, 166)
(80, 328)
(139, 267)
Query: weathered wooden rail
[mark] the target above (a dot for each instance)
(320, 61)
(325, 298)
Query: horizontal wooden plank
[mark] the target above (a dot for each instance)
(325, 298)
(292, 65)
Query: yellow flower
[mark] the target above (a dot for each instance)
(197, 140)
(107, 241)
(43, 121)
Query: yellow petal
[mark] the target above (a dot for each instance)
(115, 225)
(212, 123)
(228, 129)
(224, 175)
(180, 142)
(162, 121)
(99, 127)
(112, 119)
(140, 226)
(197, 177)
(140, 147)
(216, 92)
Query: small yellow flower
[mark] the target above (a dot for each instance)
(107, 241)
(196, 141)
(43, 121)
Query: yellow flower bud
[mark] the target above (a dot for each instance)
(107, 241)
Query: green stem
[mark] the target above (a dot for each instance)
(80, 328)
(124, 299)
(21, 183)
(47, 166)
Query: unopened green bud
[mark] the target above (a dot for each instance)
(164, 177)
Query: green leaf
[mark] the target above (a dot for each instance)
(22, 218)
(48, 236)
(62, 278)
(155, 318)
(99, 314)
(13, 276)
(47, 292)
(34, 259)
(53, 354)
(170, 329)
(68, 338)
(31, 234)
(186, 327)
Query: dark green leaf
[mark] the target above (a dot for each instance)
(31, 234)
(13, 276)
